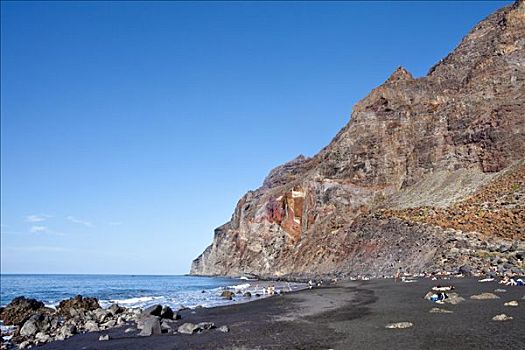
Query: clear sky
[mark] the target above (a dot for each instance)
(130, 129)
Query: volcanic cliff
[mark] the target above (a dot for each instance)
(429, 174)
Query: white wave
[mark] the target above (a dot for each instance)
(240, 286)
(7, 331)
(131, 302)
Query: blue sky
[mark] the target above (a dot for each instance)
(130, 130)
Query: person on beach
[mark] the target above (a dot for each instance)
(271, 289)
(397, 275)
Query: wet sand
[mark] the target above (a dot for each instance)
(352, 315)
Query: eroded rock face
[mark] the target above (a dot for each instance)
(409, 145)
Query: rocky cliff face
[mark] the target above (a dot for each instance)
(403, 183)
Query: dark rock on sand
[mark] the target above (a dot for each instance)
(91, 326)
(38, 323)
(20, 309)
(188, 328)
(191, 328)
(66, 331)
(154, 310)
(502, 317)
(100, 314)
(29, 328)
(484, 296)
(465, 270)
(167, 313)
(77, 303)
(165, 328)
(151, 326)
(399, 325)
(454, 298)
(116, 309)
(228, 294)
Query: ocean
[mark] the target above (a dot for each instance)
(133, 290)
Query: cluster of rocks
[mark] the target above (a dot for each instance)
(34, 324)
(155, 320)
(479, 255)
(228, 294)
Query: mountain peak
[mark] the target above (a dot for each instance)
(423, 169)
(400, 74)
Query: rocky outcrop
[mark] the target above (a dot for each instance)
(36, 325)
(69, 307)
(20, 309)
(412, 145)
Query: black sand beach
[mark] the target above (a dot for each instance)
(351, 315)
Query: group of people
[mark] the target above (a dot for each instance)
(511, 281)
(312, 284)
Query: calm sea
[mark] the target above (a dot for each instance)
(130, 290)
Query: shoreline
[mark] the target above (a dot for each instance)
(99, 316)
(348, 315)
(175, 291)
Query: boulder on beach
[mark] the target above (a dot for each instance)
(20, 309)
(77, 303)
(151, 326)
(66, 331)
(29, 328)
(24, 345)
(437, 310)
(38, 323)
(511, 303)
(116, 309)
(191, 328)
(454, 299)
(101, 314)
(91, 326)
(484, 296)
(227, 294)
(153, 310)
(165, 328)
(42, 337)
(108, 324)
(502, 317)
(167, 313)
(399, 325)
(188, 328)
(224, 329)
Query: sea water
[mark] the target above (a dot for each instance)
(134, 291)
